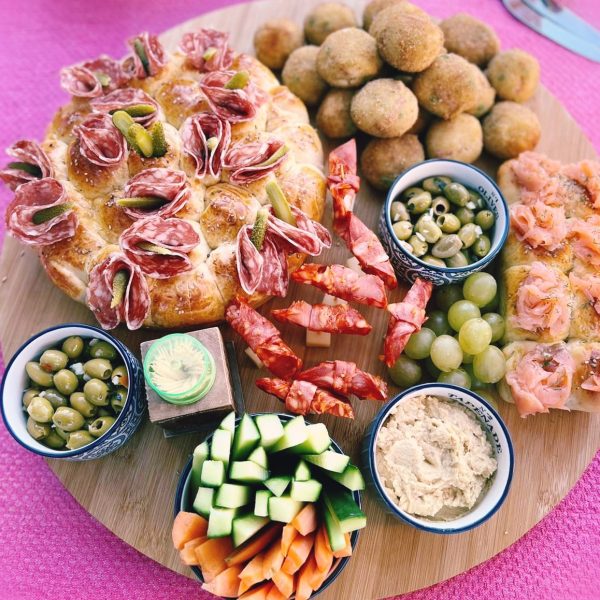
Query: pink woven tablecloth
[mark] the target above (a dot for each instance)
(50, 548)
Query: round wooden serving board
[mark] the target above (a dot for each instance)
(131, 491)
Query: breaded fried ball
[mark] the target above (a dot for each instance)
(460, 138)
(333, 117)
(515, 74)
(486, 96)
(373, 8)
(275, 40)
(470, 38)
(383, 160)
(327, 18)
(448, 87)
(510, 129)
(301, 76)
(409, 42)
(348, 58)
(385, 108)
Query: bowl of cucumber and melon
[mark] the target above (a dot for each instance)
(268, 506)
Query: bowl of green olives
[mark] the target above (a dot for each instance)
(72, 391)
(442, 221)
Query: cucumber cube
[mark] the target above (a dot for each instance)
(337, 540)
(245, 439)
(343, 507)
(350, 478)
(302, 472)
(228, 423)
(201, 453)
(259, 456)
(283, 508)
(329, 460)
(245, 527)
(220, 447)
(203, 502)
(318, 440)
(261, 503)
(306, 491)
(278, 485)
(270, 428)
(220, 522)
(247, 471)
(231, 495)
(213, 473)
(294, 433)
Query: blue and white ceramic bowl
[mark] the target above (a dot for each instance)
(498, 435)
(15, 381)
(184, 501)
(410, 267)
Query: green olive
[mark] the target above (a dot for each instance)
(40, 410)
(98, 368)
(399, 212)
(432, 260)
(53, 440)
(468, 233)
(38, 431)
(419, 203)
(63, 434)
(457, 194)
(419, 246)
(428, 229)
(460, 259)
(448, 223)
(447, 247)
(38, 375)
(465, 215)
(118, 399)
(485, 219)
(402, 229)
(440, 206)
(66, 382)
(476, 199)
(435, 185)
(54, 397)
(96, 392)
(410, 192)
(73, 346)
(102, 349)
(79, 403)
(482, 246)
(101, 425)
(68, 419)
(29, 395)
(119, 376)
(53, 360)
(79, 438)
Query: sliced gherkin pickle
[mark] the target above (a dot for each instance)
(149, 247)
(119, 285)
(41, 216)
(281, 206)
(159, 141)
(141, 52)
(103, 78)
(259, 229)
(139, 110)
(238, 81)
(274, 157)
(140, 140)
(149, 202)
(122, 121)
(209, 53)
(27, 167)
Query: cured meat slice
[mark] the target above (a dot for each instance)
(263, 338)
(323, 317)
(40, 213)
(160, 247)
(207, 49)
(346, 378)
(248, 162)
(587, 174)
(307, 236)
(154, 53)
(539, 225)
(342, 282)
(274, 279)
(406, 318)
(589, 285)
(100, 141)
(166, 184)
(585, 236)
(118, 292)
(31, 164)
(126, 98)
(206, 138)
(93, 78)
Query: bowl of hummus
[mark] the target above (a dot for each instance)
(440, 458)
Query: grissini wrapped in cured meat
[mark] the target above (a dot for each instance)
(207, 50)
(31, 163)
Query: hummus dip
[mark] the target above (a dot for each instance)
(433, 457)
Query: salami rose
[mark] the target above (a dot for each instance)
(196, 132)
(160, 247)
(31, 164)
(253, 161)
(249, 261)
(40, 214)
(100, 141)
(207, 50)
(153, 57)
(126, 98)
(165, 184)
(307, 236)
(109, 72)
(233, 105)
(80, 82)
(117, 292)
